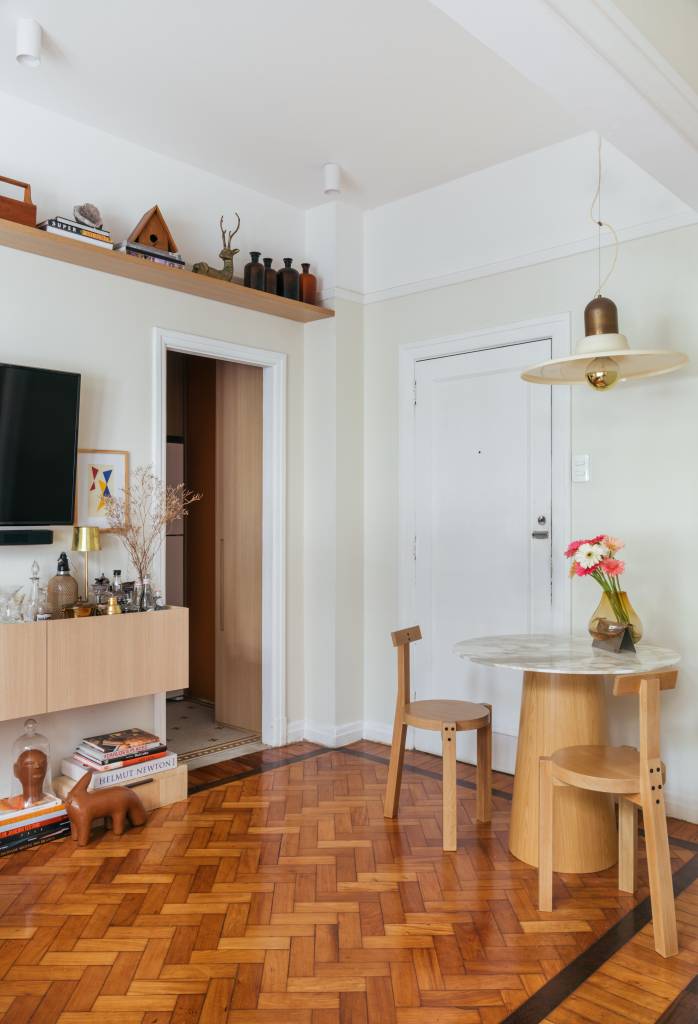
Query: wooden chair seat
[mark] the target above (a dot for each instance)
(449, 717)
(431, 714)
(604, 769)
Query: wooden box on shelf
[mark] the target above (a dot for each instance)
(21, 211)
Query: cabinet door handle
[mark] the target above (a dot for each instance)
(221, 590)
(540, 534)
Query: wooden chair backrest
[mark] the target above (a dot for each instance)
(648, 687)
(402, 638)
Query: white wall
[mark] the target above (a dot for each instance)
(641, 438)
(71, 318)
(333, 508)
(528, 210)
(67, 162)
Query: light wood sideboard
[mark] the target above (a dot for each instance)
(73, 663)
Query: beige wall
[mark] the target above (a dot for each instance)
(642, 441)
(70, 318)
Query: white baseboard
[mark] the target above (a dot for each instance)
(332, 735)
(294, 731)
(684, 810)
(379, 732)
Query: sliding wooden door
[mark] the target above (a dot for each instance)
(239, 545)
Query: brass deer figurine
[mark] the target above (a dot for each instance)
(226, 254)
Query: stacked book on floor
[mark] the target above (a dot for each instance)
(147, 252)
(22, 828)
(119, 759)
(80, 232)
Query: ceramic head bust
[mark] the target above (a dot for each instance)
(31, 767)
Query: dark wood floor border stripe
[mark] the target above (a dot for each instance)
(420, 771)
(555, 991)
(684, 1009)
(261, 769)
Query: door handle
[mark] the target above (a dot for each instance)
(540, 534)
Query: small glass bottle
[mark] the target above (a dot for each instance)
(32, 603)
(269, 276)
(147, 602)
(116, 587)
(254, 273)
(287, 280)
(42, 609)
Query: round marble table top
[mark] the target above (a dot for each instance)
(565, 655)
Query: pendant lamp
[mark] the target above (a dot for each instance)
(603, 356)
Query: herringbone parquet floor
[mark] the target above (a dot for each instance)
(284, 896)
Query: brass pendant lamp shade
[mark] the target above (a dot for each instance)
(604, 356)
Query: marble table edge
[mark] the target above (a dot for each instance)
(563, 654)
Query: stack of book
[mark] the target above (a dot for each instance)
(24, 827)
(147, 252)
(80, 232)
(119, 758)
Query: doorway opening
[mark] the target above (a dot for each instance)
(214, 446)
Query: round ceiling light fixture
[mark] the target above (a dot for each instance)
(603, 357)
(28, 43)
(333, 179)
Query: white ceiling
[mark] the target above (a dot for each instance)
(263, 93)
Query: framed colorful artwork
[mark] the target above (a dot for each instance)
(100, 475)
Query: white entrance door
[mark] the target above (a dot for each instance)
(483, 514)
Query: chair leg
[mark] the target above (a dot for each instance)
(659, 865)
(397, 756)
(627, 845)
(448, 761)
(484, 770)
(545, 835)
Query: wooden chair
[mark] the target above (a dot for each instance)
(449, 717)
(637, 777)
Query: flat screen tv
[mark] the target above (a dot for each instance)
(38, 445)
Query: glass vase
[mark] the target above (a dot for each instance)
(615, 607)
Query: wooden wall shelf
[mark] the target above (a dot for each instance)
(28, 239)
(73, 663)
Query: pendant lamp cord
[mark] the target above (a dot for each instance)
(595, 216)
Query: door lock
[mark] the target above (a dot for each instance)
(541, 534)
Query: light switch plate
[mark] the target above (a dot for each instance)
(581, 469)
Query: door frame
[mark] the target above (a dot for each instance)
(274, 718)
(557, 329)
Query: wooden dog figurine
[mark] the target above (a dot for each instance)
(115, 802)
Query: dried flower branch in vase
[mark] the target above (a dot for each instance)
(140, 516)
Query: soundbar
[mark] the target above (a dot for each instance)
(10, 538)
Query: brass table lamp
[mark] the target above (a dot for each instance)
(86, 539)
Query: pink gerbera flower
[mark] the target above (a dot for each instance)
(613, 544)
(573, 547)
(580, 570)
(612, 566)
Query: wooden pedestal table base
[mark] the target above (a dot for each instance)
(563, 705)
(562, 711)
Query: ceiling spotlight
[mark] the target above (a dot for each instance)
(333, 180)
(28, 50)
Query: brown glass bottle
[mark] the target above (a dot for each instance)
(287, 280)
(254, 273)
(269, 276)
(307, 285)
